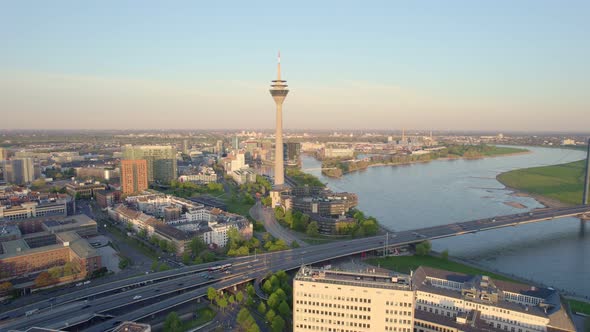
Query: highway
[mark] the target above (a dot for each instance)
(164, 290)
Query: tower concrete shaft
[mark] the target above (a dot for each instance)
(587, 177)
(279, 91)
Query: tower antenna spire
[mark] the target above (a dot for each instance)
(279, 66)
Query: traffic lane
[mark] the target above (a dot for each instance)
(125, 299)
(86, 309)
(157, 307)
(111, 286)
(147, 292)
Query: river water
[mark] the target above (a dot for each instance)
(447, 191)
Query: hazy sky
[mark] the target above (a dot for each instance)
(481, 65)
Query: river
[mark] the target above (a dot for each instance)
(447, 191)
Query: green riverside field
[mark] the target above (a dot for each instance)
(561, 182)
(404, 264)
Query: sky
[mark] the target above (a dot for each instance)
(434, 65)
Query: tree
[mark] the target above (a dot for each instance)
(253, 328)
(71, 268)
(197, 245)
(423, 248)
(232, 299)
(222, 302)
(273, 301)
(242, 316)
(38, 184)
(43, 279)
(173, 323)
(154, 240)
(289, 218)
(267, 287)
(279, 213)
(163, 245)
(370, 226)
(281, 294)
(270, 315)
(123, 263)
(295, 244)
(155, 265)
(266, 201)
(211, 294)
(239, 296)
(445, 254)
(284, 309)
(55, 272)
(143, 233)
(312, 229)
(186, 258)
(278, 324)
(274, 281)
(250, 290)
(262, 308)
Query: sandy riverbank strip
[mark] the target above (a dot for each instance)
(547, 202)
(515, 205)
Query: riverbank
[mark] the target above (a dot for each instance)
(337, 171)
(553, 186)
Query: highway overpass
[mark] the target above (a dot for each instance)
(145, 295)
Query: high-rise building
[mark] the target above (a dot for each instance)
(19, 170)
(3, 154)
(235, 142)
(185, 146)
(219, 148)
(161, 161)
(134, 176)
(292, 151)
(329, 300)
(279, 92)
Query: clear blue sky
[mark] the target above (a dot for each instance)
(493, 65)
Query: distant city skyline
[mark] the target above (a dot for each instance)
(453, 65)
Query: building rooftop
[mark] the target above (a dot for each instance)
(353, 278)
(78, 220)
(78, 244)
(9, 231)
(549, 299)
(14, 247)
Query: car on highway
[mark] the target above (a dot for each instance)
(137, 297)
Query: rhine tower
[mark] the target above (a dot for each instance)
(278, 91)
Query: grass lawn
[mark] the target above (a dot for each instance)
(204, 315)
(579, 306)
(237, 206)
(562, 182)
(406, 263)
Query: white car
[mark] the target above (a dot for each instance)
(137, 297)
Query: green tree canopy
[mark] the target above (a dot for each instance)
(278, 324)
(313, 229)
(423, 248)
(173, 323)
(284, 309)
(262, 308)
